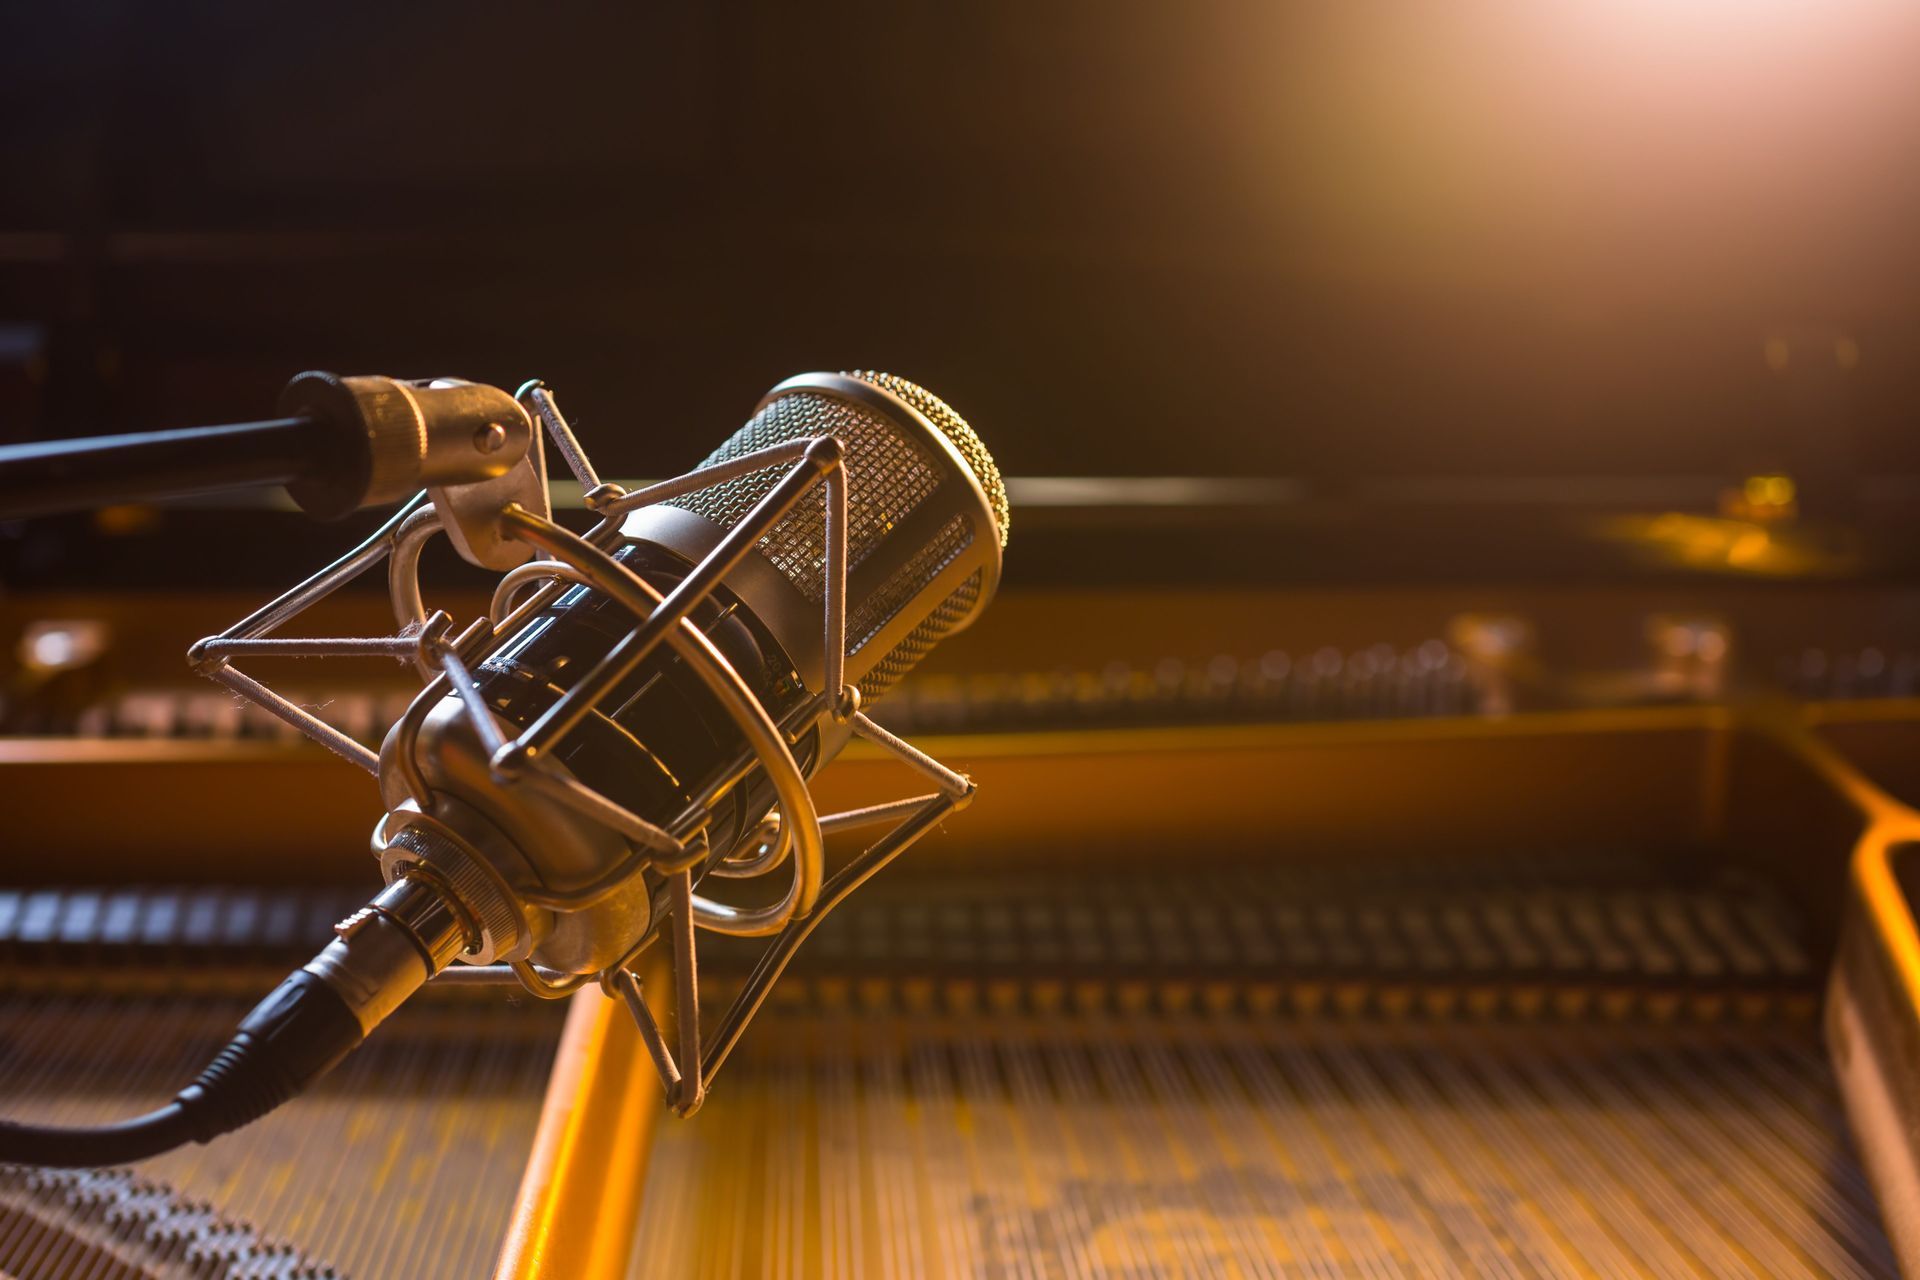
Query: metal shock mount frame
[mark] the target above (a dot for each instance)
(446, 658)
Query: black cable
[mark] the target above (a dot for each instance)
(123, 1143)
(290, 1039)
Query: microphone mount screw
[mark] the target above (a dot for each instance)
(490, 438)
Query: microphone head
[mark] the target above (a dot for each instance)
(958, 434)
(927, 520)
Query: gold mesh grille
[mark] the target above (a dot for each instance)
(955, 429)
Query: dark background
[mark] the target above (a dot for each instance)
(1324, 240)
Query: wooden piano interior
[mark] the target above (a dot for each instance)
(1294, 933)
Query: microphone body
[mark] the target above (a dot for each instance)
(926, 519)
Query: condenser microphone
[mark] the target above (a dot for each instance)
(638, 715)
(926, 518)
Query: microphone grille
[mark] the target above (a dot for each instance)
(958, 433)
(921, 487)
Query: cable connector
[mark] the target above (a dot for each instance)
(292, 1038)
(385, 952)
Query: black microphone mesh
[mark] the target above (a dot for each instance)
(891, 474)
(932, 629)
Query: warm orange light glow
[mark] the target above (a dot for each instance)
(1722, 545)
(1761, 498)
(1615, 147)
